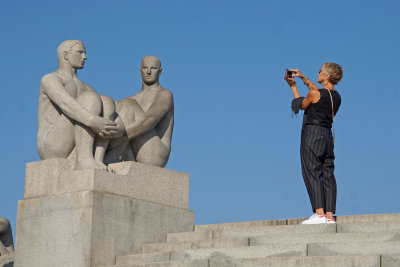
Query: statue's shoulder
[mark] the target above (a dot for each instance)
(51, 77)
(166, 92)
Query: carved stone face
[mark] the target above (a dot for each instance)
(150, 71)
(77, 56)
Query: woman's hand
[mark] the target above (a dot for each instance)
(291, 82)
(296, 73)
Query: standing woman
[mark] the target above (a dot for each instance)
(317, 140)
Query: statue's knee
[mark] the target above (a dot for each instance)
(108, 106)
(154, 159)
(129, 105)
(91, 102)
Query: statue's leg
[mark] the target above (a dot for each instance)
(84, 136)
(108, 113)
(58, 141)
(6, 239)
(119, 149)
(150, 149)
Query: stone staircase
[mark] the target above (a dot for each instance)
(362, 240)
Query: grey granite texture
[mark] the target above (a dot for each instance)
(7, 260)
(189, 236)
(131, 179)
(148, 120)
(6, 238)
(72, 115)
(90, 228)
(360, 248)
(210, 243)
(343, 261)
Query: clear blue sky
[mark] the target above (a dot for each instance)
(224, 62)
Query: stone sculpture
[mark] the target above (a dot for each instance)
(6, 239)
(148, 119)
(72, 114)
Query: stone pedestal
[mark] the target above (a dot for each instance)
(86, 218)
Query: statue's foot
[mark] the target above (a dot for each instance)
(107, 168)
(90, 164)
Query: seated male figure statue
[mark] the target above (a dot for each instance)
(148, 118)
(72, 114)
(6, 240)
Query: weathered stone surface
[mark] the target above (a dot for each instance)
(195, 263)
(206, 227)
(90, 228)
(326, 237)
(353, 248)
(212, 243)
(132, 179)
(390, 260)
(189, 236)
(148, 141)
(7, 260)
(240, 252)
(271, 230)
(143, 258)
(364, 227)
(368, 218)
(327, 261)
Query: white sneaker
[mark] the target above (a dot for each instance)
(330, 221)
(316, 219)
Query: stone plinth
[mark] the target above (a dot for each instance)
(131, 179)
(86, 218)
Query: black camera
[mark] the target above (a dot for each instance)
(288, 73)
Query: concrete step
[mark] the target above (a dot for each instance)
(301, 261)
(215, 253)
(240, 252)
(326, 237)
(350, 227)
(189, 236)
(143, 258)
(251, 231)
(272, 239)
(294, 261)
(295, 221)
(195, 263)
(353, 248)
(365, 227)
(274, 230)
(212, 243)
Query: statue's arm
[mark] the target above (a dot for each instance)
(52, 86)
(163, 103)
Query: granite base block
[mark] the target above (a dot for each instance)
(131, 179)
(90, 228)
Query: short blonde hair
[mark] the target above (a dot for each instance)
(335, 71)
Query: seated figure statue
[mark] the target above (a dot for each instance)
(148, 119)
(6, 239)
(72, 114)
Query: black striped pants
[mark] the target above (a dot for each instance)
(317, 165)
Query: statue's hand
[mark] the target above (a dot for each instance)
(115, 131)
(101, 126)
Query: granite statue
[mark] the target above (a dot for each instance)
(6, 239)
(72, 114)
(148, 120)
(74, 117)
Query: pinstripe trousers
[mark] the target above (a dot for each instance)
(317, 165)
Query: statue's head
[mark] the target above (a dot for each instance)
(73, 52)
(150, 69)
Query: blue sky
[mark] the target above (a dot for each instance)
(224, 62)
